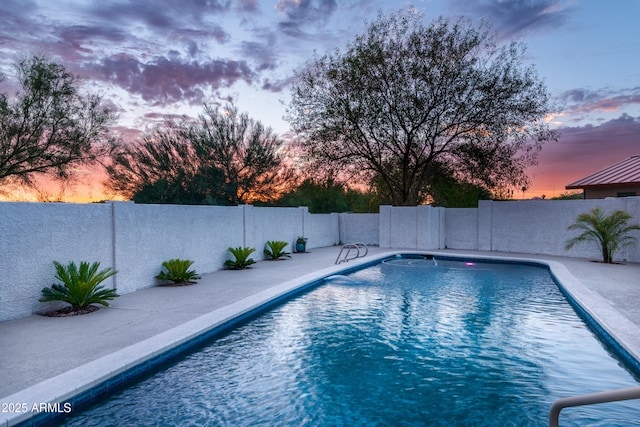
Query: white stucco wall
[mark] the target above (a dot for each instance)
(412, 227)
(33, 235)
(540, 227)
(147, 235)
(360, 228)
(398, 227)
(134, 239)
(461, 228)
(320, 229)
(262, 224)
(532, 226)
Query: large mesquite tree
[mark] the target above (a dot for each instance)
(406, 102)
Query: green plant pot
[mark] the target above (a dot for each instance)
(301, 247)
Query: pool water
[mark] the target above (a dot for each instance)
(408, 342)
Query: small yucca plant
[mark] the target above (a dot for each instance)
(177, 271)
(80, 285)
(275, 249)
(241, 255)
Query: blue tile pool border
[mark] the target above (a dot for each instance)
(134, 373)
(112, 384)
(611, 344)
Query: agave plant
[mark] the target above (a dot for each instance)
(241, 258)
(80, 285)
(609, 232)
(177, 271)
(274, 249)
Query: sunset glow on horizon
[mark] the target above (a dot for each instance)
(150, 61)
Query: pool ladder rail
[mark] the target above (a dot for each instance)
(348, 255)
(591, 399)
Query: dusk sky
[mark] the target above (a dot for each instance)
(150, 58)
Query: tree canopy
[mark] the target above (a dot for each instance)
(406, 102)
(48, 127)
(164, 168)
(223, 157)
(328, 196)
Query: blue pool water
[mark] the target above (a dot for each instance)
(402, 343)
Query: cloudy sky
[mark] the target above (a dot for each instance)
(150, 58)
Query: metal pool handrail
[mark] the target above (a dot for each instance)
(349, 247)
(591, 399)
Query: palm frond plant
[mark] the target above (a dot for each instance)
(177, 271)
(610, 232)
(80, 285)
(274, 249)
(241, 258)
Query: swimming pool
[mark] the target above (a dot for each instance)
(405, 342)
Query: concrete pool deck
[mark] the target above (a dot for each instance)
(46, 360)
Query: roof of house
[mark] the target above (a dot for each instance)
(625, 172)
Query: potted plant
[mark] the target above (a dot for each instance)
(301, 244)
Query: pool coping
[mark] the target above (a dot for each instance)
(108, 371)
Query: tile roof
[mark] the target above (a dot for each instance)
(622, 173)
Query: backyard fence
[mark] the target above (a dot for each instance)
(135, 239)
(527, 226)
